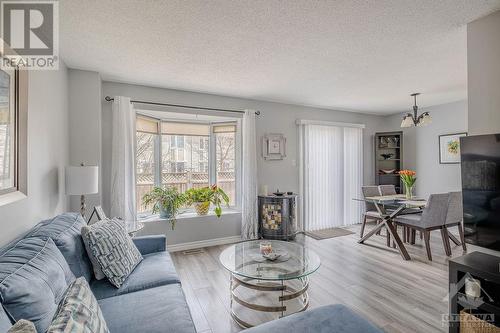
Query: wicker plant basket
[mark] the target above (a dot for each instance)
(202, 207)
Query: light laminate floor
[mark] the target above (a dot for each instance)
(396, 295)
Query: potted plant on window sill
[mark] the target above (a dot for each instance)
(201, 198)
(165, 201)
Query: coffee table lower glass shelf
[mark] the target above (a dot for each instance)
(263, 290)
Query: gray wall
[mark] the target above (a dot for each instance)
(421, 150)
(47, 154)
(274, 118)
(483, 62)
(85, 124)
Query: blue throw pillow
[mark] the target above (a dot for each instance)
(33, 279)
(64, 230)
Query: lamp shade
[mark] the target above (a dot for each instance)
(407, 121)
(82, 180)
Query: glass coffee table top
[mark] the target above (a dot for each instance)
(244, 259)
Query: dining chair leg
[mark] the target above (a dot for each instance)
(378, 232)
(453, 238)
(388, 238)
(446, 241)
(421, 235)
(363, 224)
(427, 240)
(393, 241)
(405, 235)
(462, 238)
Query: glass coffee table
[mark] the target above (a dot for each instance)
(276, 288)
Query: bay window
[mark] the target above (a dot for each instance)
(185, 155)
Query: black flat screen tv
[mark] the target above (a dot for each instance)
(480, 168)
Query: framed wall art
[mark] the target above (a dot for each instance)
(273, 147)
(449, 148)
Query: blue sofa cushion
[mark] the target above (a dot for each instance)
(33, 278)
(156, 269)
(5, 322)
(156, 310)
(335, 318)
(65, 232)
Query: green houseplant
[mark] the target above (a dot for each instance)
(201, 198)
(165, 201)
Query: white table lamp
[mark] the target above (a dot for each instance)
(82, 180)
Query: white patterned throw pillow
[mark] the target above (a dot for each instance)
(22, 326)
(78, 311)
(113, 249)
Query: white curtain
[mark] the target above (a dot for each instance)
(249, 226)
(122, 192)
(332, 175)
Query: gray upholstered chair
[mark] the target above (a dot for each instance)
(370, 209)
(387, 189)
(442, 211)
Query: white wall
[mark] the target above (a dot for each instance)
(421, 150)
(85, 127)
(274, 118)
(483, 66)
(47, 154)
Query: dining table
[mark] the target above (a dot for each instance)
(389, 207)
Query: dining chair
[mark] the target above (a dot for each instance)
(434, 217)
(387, 189)
(370, 209)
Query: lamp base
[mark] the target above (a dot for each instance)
(82, 206)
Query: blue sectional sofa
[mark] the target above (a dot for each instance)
(151, 299)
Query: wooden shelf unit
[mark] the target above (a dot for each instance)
(389, 143)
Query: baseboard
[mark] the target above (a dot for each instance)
(203, 243)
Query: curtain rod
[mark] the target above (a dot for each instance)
(109, 99)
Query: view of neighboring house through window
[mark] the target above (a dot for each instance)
(7, 134)
(184, 155)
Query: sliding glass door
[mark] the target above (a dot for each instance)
(332, 172)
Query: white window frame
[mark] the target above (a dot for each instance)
(212, 158)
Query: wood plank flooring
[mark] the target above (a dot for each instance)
(373, 280)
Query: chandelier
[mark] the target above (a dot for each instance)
(411, 120)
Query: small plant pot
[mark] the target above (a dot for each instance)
(165, 213)
(202, 207)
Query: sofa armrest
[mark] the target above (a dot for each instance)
(151, 244)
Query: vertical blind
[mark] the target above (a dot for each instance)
(332, 175)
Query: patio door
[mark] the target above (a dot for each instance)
(331, 174)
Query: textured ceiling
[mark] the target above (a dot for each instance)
(349, 54)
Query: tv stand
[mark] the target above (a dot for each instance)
(486, 268)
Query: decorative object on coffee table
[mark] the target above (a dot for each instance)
(288, 277)
(273, 147)
(278, 216)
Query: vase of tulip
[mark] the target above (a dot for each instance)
(408, 178)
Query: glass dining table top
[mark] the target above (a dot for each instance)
(245, 259)
(395, 201)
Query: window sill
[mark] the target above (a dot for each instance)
(187, 215)
(9, 198)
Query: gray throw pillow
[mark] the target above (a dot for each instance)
(78, 311)
(22, 326)
(113, 249)
(98, 274)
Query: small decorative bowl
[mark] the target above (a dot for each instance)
(387, 171)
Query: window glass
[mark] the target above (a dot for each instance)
(225, 152)
(7, 135)
(145, 167)
(185, 161)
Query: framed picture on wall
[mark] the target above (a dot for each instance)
(449, 148)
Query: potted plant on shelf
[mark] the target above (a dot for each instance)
(408, 178)
(165, 201)
(201, 198)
